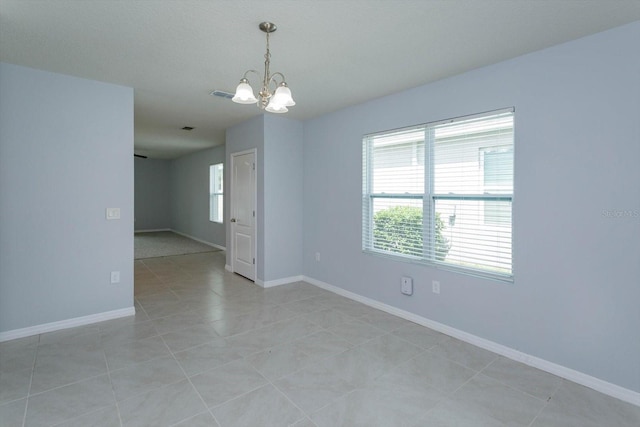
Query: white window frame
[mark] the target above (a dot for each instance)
(429, 200)
(216, 195)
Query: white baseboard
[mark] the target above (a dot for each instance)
(153, 230)
(213, 245)
(228, 268)
(594, 383)
(278, 282)
(65, 324)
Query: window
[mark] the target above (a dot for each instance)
(442, 193)
(216, 190)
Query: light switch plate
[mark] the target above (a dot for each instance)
(115, 277)
(113, 213)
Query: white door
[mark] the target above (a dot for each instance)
(243, 213)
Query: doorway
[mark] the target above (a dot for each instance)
(243, 213)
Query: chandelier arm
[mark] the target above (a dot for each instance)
(244, 76)
(272, 78)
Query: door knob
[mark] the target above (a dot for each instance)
(233, 220)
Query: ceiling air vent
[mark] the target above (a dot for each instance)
(221, 94)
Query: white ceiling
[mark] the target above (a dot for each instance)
(333, 53)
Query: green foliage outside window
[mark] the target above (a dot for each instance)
(399, 230)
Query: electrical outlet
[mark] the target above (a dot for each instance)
(435, 287)
(318, 256)
(115, 277)
(406, 285)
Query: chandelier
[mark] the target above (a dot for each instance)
(274, 96)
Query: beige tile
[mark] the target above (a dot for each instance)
(14, 385)
(437, 372)
(80, 334)
(370, 407)
(123, 354)
(419, 335)
(12, 413)
(63, 365)
(233, 325)
(322, 344)
(576, 406)
(128, 332)
(207, 356)
(491, 399)
(19, 342)
(264, 407)
(357, 332)
(220, 385)
(396, 398)
(391, 349)
(281, 360)
(144, 377)
(68, 402)
(465, 354)
(304, 306)
(305, 422)
(177, 322)
(161, 407)
(451, 413)
(107, 417)
(328, 318)
(277, 333)
(384, 321)
(190, 337)
(16, 355)
(351, 308)
(524, 378)
(201, 420)
(318, 385)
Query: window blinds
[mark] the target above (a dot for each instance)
(442, 193)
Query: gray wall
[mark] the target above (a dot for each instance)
(279, 185)
(283, 197)
(66, 149)
(577, 271)
(242, 137)
(189, 188)
(152, 194)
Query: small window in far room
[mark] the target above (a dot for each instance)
(216, 190)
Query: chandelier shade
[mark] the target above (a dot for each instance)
(283, 96)
(244, 94)
(274, 95)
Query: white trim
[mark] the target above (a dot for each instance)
(594, 383)
(153, 230)
(228, 268)
(279, 282)
(222, 248)
(65, 324)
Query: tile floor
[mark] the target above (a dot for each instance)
(209, 348)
